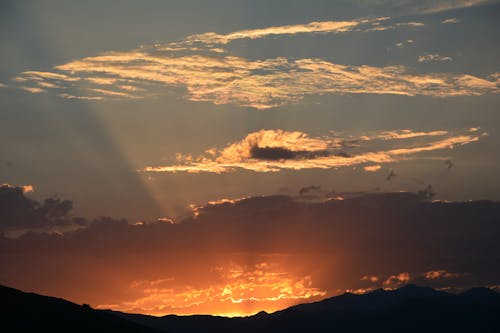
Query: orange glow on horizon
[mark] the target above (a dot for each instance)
(242, 291)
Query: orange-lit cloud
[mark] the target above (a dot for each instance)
(220, 78)
(441, 274)
(372, 168)
(242, 290)
(313, 27)
(33, 90)
(25, 188)
(371, 278)
(276, 150)
(397, 280)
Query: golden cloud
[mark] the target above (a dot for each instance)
(397, 280)
(313, 27)
(210, 74)
(276, 150)
(243, 290)
(441, 274)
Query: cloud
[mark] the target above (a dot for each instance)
(18, 212)
(427, 193)
(221, 78)
(390, 175)
(3, 85)
(405, 43)
(405, 7)
(433, 58)
(313, 27)
(372, 168)
(394, 281)
(266, 252)
(429, 6)
(371, 278)
(276, 150)
(308, 189)
(452, 20)
(259, 284)
(449, 164)
(441, 274)
(34, 90)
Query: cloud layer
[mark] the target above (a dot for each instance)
(208, 73)
(276, 150)
(18, 212)
(243, 256)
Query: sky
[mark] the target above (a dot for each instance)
(227, 157)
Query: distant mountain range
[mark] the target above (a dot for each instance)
(408, 309)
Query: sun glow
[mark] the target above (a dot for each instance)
(242, 291)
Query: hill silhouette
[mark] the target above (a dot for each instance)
(28, 312)
(407, 309)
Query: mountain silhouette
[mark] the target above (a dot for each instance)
(28, 312)
(407, 309)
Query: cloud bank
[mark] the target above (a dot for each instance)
(18, 212)
(242, 256)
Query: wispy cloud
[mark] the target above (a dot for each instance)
(452, 20)
(210, 74)
(260, 84)
(397, 280)
(405, 43)
(372, 168)
(441, 274)
(433, 58)
(313, 27)
(431, 6)
(405, 7)
(276, 150)
(33, 90)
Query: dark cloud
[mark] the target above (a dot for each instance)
(280, 153)
(391, 175)
(449, 164)
(20, 212)
(427, 193)
(308, 189)
(336, 242)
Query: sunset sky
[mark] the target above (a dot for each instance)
(228, 157)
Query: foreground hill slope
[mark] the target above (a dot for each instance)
(28, 312)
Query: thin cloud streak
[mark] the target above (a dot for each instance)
(277, 150)
(433, 58)
(406, 7)
(313, 27)
(452, 20)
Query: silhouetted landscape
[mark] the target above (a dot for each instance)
(408, 309)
